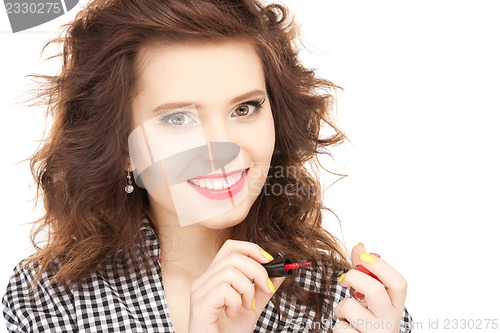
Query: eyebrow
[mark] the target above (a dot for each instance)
(235, 100)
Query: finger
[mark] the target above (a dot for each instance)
(262, 298)
(354, 313)
(234, 278)
(356, 253)
(232, 300)
(376, 297)
(210, 303)
(394, 282)
(250, 268)
(248, 249)
(342, 326)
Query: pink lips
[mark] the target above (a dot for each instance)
(224, 193)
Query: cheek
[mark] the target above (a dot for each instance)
(266, 140)
(260, 148)
(260, 140)
(162, 198)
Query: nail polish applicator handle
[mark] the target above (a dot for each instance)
(282, 267)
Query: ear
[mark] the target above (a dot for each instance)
(127, 163)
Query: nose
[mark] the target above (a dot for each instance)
(222, 153)
(216, 129)
(221, 146)
(198, 161)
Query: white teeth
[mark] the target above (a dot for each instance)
(218, 183)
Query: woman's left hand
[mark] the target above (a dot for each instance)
(384, 300)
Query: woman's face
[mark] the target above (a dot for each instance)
(202, 131)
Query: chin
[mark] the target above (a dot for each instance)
(228, 219)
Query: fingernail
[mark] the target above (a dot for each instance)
(235, 315)
(356, 294)
(361, 244)
(374, 254)
(271, 285)
(267, 255)
(341, 277)
(368, 258)
(253, 304)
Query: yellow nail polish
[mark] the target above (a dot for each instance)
(368, 258)
(271, 285)
(267, 255)
(360, 243)
(253, 304)
(341, 277)
(235, 315)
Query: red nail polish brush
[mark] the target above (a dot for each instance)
(283, 267)
(296, 265)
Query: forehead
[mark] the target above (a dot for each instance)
(204, 70)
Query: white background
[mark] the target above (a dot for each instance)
(420, 106)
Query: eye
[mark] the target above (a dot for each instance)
(177, 119)
(247, 109)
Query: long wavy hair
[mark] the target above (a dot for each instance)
(79, 169)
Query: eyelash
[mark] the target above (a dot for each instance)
(257, 104)
(170, 114)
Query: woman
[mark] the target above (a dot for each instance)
(206, 104)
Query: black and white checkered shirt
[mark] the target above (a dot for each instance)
(111, 302)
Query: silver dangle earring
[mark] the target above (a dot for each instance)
(129, 188)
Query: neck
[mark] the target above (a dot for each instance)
(190, 249)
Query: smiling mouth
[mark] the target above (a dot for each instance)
(217, 183)
(220, 186)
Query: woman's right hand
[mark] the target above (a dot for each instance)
(234, 290)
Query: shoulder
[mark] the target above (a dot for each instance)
(106, 301)
(35, 307)
(322, 278)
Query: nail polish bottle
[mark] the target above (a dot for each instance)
(355, 294)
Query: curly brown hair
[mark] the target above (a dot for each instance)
(80, 167)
